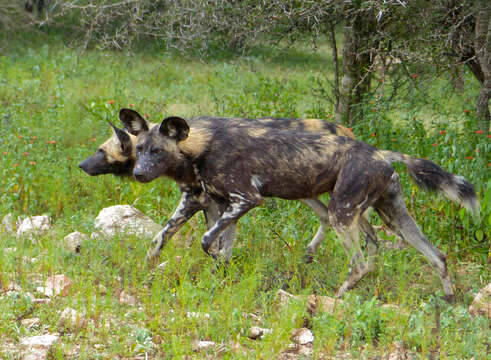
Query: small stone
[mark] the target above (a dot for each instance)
(196, 315)
(302, 336)
(28, 323)
(126, 298)
(71, 319)
(56, 285)
(178, 259)
(257, 333)
(73, 241)
(102, 289)
(203, 345)
(34, 225)
(163, 265)
(7, 224)
(481, 305)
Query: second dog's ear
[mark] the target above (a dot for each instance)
(124, 140)
(175, 127)
(133, 122)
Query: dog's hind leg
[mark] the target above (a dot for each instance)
(394, 214)
(321, 211)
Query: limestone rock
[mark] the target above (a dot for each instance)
(73, 241)
(257, 332)
(482, 302)
(28, 323)
(126, 298)
(56, 285)
(302, 336)
(37, 347)
(315, 303)
(34, 225)
(124, 218)
(71, 319)
(6, 226)
(203, 345)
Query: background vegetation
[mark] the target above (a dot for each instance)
(56, 95)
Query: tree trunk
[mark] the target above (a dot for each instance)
(482, 44)
(355, 83)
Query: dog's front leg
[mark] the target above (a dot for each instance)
(188, 206)
(239, 205)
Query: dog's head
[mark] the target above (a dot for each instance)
(115, 156)
(161, 150)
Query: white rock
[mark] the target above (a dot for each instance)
(56, 285)
(257, 333)
(482, 302)
(126, 298)
(71, 319)
(203, 345)
(7, 224)
(73, 241)
(163, 265)
(124, 218)
(303, 336)
(33, 225)
(42, 341)
(28, 323)
(37, 347)
(196, 315)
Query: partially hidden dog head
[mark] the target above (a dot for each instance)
(115, 156)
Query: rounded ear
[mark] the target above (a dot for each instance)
(133, 122)
(124, 139)
(175, 127)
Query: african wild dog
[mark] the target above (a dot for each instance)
(117, 156)
(241, 166)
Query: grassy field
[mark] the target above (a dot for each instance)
(54, 103)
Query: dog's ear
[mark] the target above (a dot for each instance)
(175, 127)
(133, 122)
(124, 140)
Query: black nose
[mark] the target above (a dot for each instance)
(139, 175)
(83, 165)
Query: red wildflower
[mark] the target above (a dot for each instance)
(373, 134)
(51, 142)
(20, 136)
(5, 152)
(415, 76)
(469, 157)
(34, 137)
(466, 111)
(489, 136)
(26, 154)
(443, 132)
(131, 105)
(32, 163)
(15, 165)
(434, 144)
(488, 164)
(110, 102)
(479, 132)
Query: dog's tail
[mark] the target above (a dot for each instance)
(429, 176)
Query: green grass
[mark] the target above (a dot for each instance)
(53, 112)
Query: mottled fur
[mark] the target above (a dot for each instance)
(239, 169)
(113, 156)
